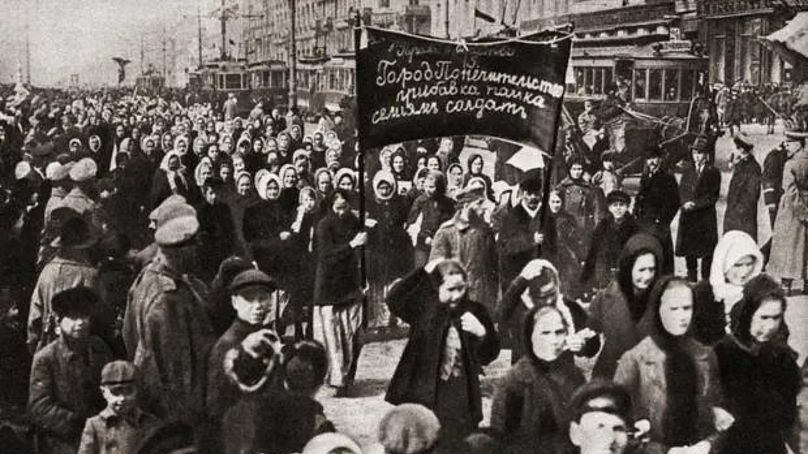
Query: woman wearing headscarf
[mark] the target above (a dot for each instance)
(530, 403)
(474, 168)
(736, 260)
(308, 214)
(389, 249)
(759, 374)
(562, 243)
(323, 183)
(171, 178)
(255, 158)
(428, 212)
(203, 171)
(454, 179)
(166, 142)
(673, 379)
(266, 226)
(189, 159)
(345, 179)
(620, 311)
(338, 290)
(539, 285)
(290, 194)
(399, 165)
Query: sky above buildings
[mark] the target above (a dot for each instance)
(81, 36)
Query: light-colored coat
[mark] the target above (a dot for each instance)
(788, 255)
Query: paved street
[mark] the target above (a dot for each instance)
(359, 415)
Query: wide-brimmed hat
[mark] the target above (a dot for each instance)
(76, 233)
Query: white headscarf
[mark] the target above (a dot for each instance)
(732, 247)
(560, 305)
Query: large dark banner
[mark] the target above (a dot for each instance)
(411, 87)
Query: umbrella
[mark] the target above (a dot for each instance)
(527, 159)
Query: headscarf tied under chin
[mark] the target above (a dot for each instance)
(732, 247)
(549, 272)
(381, 177)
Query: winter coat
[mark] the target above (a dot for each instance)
(435, 211)
(698, 227)
(263, 223)
(530, 404)
(742, 197)
(175, 336)
(772, 179)
(563, 246)
(642, 371)
(709, 319)
(64, 392)
(585, 203)
(516, 243)
(788, 254)
(337, 278)
(760, 386)
(655, 207)
(389, 250)
(474, 246)
(108, 433)
(217, 235)
(608, 240)
(414, 299)
(58, 275)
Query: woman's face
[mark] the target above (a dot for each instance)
(398, 164)
(433, 163)
(477, 166)
(289, 178)
(198, 145)
(166, 141)
(95, 143)
(643, 271)
(296, 133)
(317, 139)
(271, 146)
(421, 163)
(120, 132)
(213, 151)
(741, 271)
(766, 320)
(307, 202)
(243, 187)
(576, 171)
(548, 336)
(272, 191)
(227, 143)
(456, 176)
(182, 146)
(345, 183)
(173, 163)
(385, 189)
(225, 173)
(676, 310)
(324, 182)
(258, 146)
(269, 130)
(238, 165)
(386, 160)
(74, 147)
(283, 142)
(205, 173)
(555, 202)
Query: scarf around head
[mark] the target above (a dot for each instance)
(559, 303)
(733, 246)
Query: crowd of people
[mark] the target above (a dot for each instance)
(177, 278)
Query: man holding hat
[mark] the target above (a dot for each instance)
(167, 312)
(744, 189)
(66, 374)
(251, 298)
(698, 224)
(71, 267)
(121, 425)
(469, 239)
(656, 204)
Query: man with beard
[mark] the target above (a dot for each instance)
(520, 237)
(470, 240)
(173, 333)
(656, 205)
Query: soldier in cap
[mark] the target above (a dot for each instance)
(469, 239)
(168, 331)
(65, 376)
(71, 267)
(656, 204)
(600, 419)
(744, 189)
(120, 426)
(82, 173)
(698, 223)
(59, 176)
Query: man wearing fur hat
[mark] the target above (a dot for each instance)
(468, 238)
(172, 332)
(65, 376)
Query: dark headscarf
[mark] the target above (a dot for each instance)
(679, 423)
(637, 245)
(758, 289)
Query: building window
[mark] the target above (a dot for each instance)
(384, 3)
(640, 84)
(688, 84)
(655, 84)
(671, 85)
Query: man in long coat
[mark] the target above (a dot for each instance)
(467, 238)
(744, 190)
(520, 239)
(656, 205)
(698, 224)
(175, 333)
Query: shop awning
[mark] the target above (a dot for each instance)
(791, 41)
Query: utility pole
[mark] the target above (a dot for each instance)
(446, 20)
(199, 32)
(164, 54)
(223, 19)
(292, 56)
(141, 54)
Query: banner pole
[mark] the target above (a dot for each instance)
(360, 150)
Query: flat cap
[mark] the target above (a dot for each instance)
(118, 373)
(251, 278)
(742, 140)
(77, 301)
(618, 196)
(83, 170)
(176, 224)
(701, 144)
(409, 429)
(170, 200)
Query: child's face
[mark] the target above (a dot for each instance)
(75, 326)
(120, 398)
(608, 165)
(618, 209)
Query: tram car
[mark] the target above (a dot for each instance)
(270, 81)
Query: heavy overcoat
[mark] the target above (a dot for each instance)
(788, 254)
(698, 228)
(742, 197)
(337, 278)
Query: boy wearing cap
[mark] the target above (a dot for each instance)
(608, 239)
(698, 224)
(121, 425)
(66, 374)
